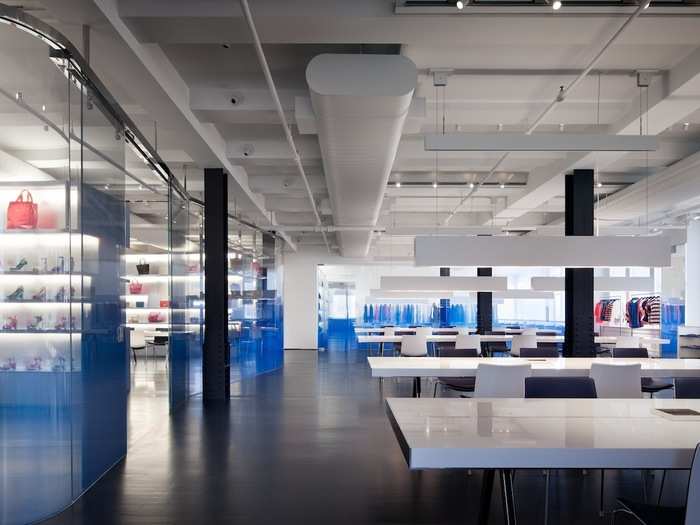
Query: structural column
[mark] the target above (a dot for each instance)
(215, 361)
(484, 305)
(692, 275)
(444, 303)
(579, 336)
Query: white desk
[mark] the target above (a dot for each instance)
(605, 340)
(562, 366)
(406, 329)
(510, 434)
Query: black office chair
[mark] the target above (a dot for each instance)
(687, 387)
(457, 384)
(649, 385)
(647, 514)
(560, 387)
(539, 352)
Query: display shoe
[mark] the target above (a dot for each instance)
(60, 295)
(59, 364)
(21, 264)
(10, 323)
(34, 364)
(17, 295)
(10, 364)
(40, 295)
(61, 324)
(36, 323)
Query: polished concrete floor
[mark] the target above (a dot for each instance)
(309, 444)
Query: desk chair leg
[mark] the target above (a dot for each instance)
(486, 493)
(661, 487)
(601, 511)
(644, 473)
(546, 497)
(435, 389)
(416, 387)
(508, 496)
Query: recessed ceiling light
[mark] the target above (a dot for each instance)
(500, 127)
(471, 185)
(502, 185)
(696, 218)
(43, 107)
(107, 186)
(686, 125)
(561, 127)
(460, 5)
(599, 184)
(397, 184)
(556, 5)
(435, 184)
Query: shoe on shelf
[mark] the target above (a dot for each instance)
(61, 324)
(10, 323)
(34, 364)
(17, 295)
(40, 295)
(36, 323)
(60, 295)
(20, 264)
(10, 364)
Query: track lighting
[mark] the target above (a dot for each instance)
(599, 184)
(502, 185)
(471, 185)
(647, 3)
(460, 5)
(397, 184)
(435, 184)
(556, 5)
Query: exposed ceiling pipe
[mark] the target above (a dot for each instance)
(280, 112)
(561, 96)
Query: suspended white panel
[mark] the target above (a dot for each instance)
(523, 294)
(447, 284)
(391, 294)
(601, 284)
(538, 142)
(571, 252)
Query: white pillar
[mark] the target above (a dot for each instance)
(692, 275)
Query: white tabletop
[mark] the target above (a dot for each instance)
(605, 339)
(544, 433)
(562, 366)
(406, 329)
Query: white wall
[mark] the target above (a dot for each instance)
(300, 300)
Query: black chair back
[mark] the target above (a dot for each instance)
(459, 352)
(539, 352)
(639, 353)
(560, 387)
(687, 387)
(160, 340)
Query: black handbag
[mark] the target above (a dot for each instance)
(143, 268)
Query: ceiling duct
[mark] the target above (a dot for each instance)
(360, 103)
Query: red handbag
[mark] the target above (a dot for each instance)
(155, 317)
(135, 288)
(23, 213)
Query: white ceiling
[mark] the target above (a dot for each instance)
(180, 63)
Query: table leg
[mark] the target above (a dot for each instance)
(486, 493)
(508, 496)
(416, 387)
(381, 348)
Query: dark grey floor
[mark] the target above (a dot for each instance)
(311, 444)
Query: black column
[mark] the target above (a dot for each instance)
(216, 368)
(484, 306)
(444, 303)
(578, 336)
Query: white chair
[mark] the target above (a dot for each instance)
(465, 341)
(501, 380)
(464, 330)
(529, 331)
(627, 341)
(137, 341)
(522, 341)
(425, 331)
(389, 331)
(414, 346)
(613, 381)
(616, 382)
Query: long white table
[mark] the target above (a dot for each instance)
(600, 339)
(508, 434)
(406, 329)
(562, 366)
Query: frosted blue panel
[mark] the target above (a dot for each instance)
(255, 307)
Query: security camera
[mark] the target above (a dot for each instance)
(236, 99)
(248, 150)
